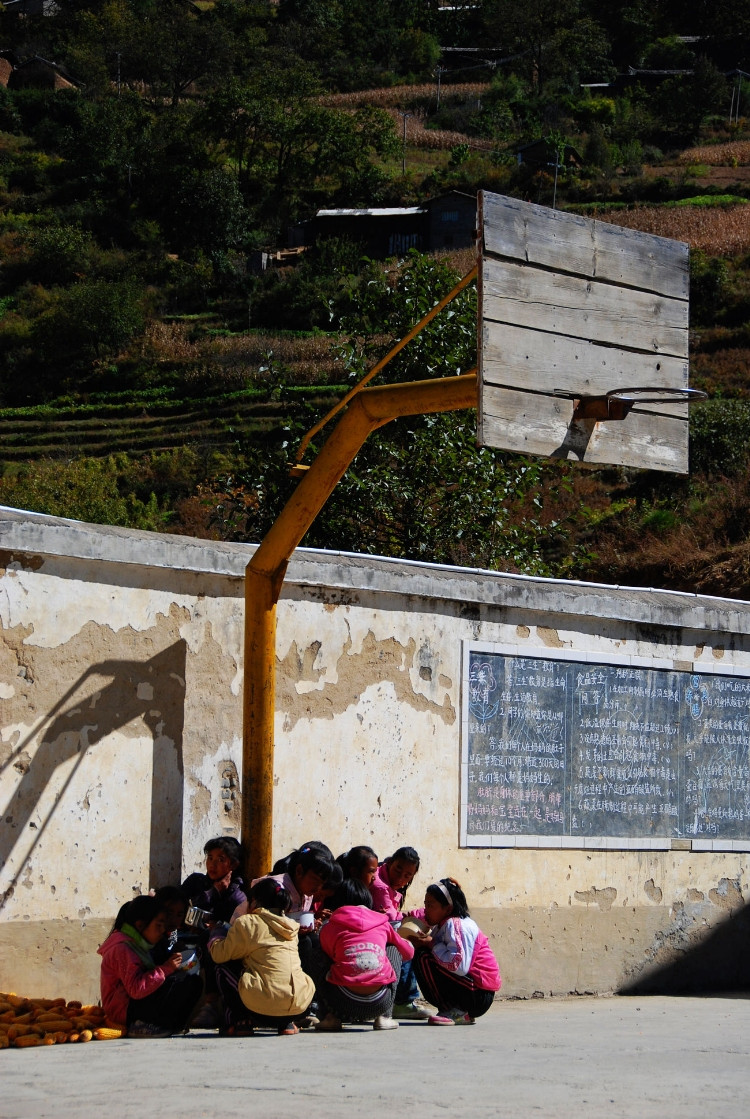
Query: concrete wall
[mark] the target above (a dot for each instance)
(120, 682)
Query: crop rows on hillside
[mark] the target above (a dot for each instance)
(734, 153)
(406, 95)
(720, 231)
(436, 139)
(242, 358)
(97, 430)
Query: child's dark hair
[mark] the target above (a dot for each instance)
(457, 896)
(270, 894)
(281, 866)
(142, 909)
(167, 894)
(350, 892)
(336, 878)
(355, 860)
(406, 855)
(228, 845)
(310, 858)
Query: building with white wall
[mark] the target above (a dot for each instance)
(121, 667)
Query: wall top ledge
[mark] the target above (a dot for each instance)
(25, 533)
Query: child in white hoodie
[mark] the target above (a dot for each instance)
(258, 969)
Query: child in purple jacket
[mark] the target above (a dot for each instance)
(221, 889)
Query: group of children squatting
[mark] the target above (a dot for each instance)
(316, 943)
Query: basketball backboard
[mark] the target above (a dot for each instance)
(572, 309)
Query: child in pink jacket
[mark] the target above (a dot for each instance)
(392, 879)
(149, 1000)
(357, 965)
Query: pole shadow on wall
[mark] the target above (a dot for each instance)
(718, 963)
(151, 690)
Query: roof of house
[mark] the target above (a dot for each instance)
(373, 212)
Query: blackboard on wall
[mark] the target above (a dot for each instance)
(564, 752)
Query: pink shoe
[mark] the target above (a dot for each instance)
(440, 1020)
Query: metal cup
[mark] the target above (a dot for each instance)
(197, 917)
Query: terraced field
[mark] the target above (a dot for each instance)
(151, 422)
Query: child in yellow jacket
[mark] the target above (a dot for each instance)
(258, 968)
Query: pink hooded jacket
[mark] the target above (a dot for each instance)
(356, 938)
(124, 977)
(385, 898)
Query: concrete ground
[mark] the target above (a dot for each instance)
(583, 1057)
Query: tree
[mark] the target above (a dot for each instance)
(91, 319)
(419, 488)
(176, 46)
(683, 102)
(528, 28)
(207, 212)
(86, 489)
(104, 142)
(283, 143)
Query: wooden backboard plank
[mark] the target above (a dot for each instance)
(534, 424)
(568, 243)
(514, 357)
(578, 308)
(572, 306)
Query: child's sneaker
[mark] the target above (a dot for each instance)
(147, 1030)
(207, 1015)
(330, 1024)
(383, 1022)
(452, 1017)
(423, 1004)
(411, 1010)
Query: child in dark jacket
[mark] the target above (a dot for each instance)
(221, 889)
(357, 964)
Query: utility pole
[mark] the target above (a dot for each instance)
(403, 143)
(739, 95)
(439, 71)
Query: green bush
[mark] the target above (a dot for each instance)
(720, 437)
(85, 489)
(90, 320)
(59, 253)
(708, 286)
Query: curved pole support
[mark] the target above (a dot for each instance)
(264, 577)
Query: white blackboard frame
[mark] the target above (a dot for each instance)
(584, 656)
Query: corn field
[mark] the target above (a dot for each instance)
(718, 231)
(405, 95)
(735, 153)
(242, 356)
(417, 136)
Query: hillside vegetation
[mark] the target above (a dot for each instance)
(150, 376)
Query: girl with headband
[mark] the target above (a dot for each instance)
(455, 966)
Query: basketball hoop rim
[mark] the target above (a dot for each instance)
(641, 394)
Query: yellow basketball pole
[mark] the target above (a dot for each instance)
(264, 575)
